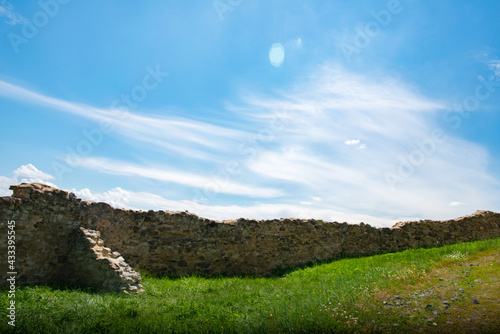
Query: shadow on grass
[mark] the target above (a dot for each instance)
(282, 272)
(64, 287)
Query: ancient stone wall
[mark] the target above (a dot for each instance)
(51, 246)
(183, 243)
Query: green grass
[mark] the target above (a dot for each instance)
(348, 295)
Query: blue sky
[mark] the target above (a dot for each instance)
(374, 111)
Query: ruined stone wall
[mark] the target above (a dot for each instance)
(183, 243)
(51, 246)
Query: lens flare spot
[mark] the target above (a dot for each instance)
(277, 54)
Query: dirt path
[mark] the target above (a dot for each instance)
(457, 297)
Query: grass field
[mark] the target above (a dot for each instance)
(451, 289)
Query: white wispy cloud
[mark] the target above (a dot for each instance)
(181, 136)
(5, 183)
(31, 172)
(494, 66)
(7, 11)
(488, 57)
(24, 174)
(457, 204)
(312, 155)
(352, 142)
(168, 174)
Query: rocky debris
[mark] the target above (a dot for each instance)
(93, 265)
(474, 300)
